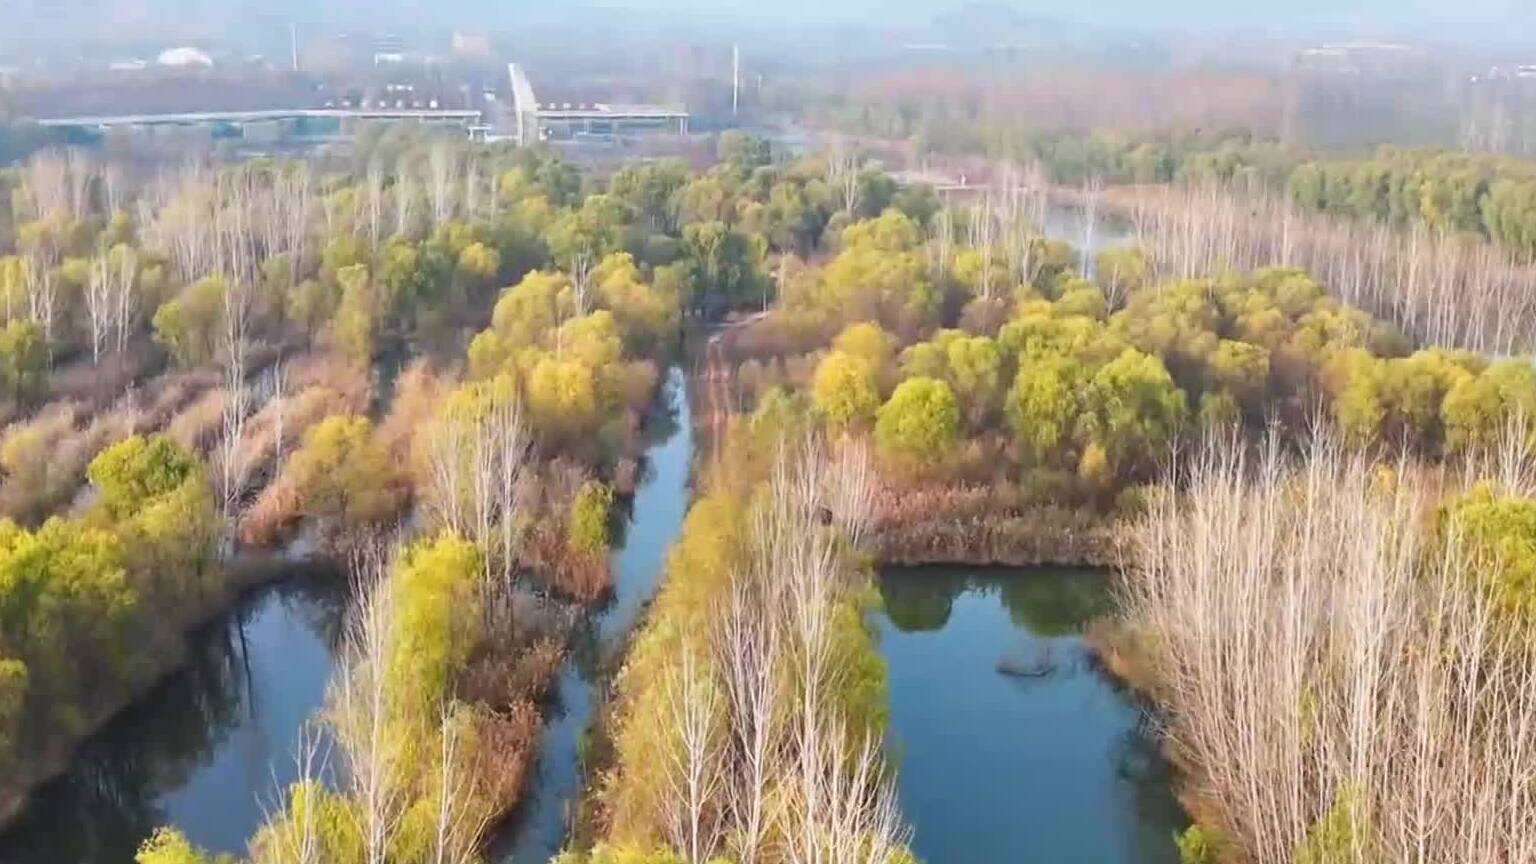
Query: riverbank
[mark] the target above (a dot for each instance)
(536, 829)
(246, 574)
(986, 526)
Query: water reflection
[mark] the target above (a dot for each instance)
(538, 830)
(1012, 744)
(207, 748)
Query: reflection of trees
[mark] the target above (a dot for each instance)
(1056, 602)
(1044, 602)
(1147, 779)
(919, 599)
(109, 801)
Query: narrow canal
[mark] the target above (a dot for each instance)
(1011, 744)
(211, 748)
(538, 830)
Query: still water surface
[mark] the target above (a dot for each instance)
(537, 831)
(1050, 764)
(208, 749)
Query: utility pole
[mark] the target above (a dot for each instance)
(293, 42)
(735, 77)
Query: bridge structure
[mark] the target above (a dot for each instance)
(269, 125)
(533, 121)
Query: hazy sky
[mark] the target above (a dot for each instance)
(1140, 12)
(1502, 20)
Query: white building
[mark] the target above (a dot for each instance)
(184, 57)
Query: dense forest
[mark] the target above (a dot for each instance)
(223, 358)
(435, 362)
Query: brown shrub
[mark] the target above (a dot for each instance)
(984, 525)
(196, 427)
(418, 392)
(500, 679)
(100, 384)
(34, 474)
(352, 381)
(507, 744)
(276, 510)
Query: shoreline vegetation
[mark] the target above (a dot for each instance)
(1298, 475)
(252, 574)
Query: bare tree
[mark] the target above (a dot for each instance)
(124, 262)
(237, 299)
(99, 305)
(843, 167)
(404, 190)
(1438, 289)
(373, 202)
(477, 466)
(695, 712)
(458, 823)
(294, 829)
(360, 707)
(442, 178)
(1318, 657)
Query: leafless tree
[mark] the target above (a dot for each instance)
(404, 190)
(695, 713)
(1092, 188)
(99, 305)
(298, 841)
(237, 300)
(373, 202)
(478, 472)
(46, 180)
(360, 706)
(843, 167)
(442, 179)
(750, 658)
(1438, 289)
(42, 283)
(457, 825)
(1319, 656)
(124, 260)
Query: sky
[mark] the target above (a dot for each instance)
(1135, 12)
(1509, 19)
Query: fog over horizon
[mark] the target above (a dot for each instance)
(1472, 20)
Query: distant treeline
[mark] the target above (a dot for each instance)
(1491, 196)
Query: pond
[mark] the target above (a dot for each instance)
(1071, 225)
(1011, 743)
(209, 748)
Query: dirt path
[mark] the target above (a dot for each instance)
(717, 383)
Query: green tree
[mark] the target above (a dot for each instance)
(132, 472)
(356, 325)
(346, 477)
(189, 326)
(23, 361)
(1477, 411)
(919, 425)
(436, 602)
(169, 846)
(588, 532)
(1045, 404)
(844, 391)
(1134, 408)
(867, 341)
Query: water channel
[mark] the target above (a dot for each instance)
(210, 749)
(537, 831)
(993, 767)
